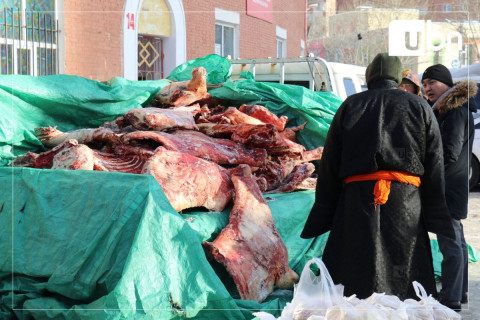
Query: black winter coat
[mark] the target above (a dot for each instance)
(454, 114)
(383, 249)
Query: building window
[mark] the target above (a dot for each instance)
(281, 42)
(422, 11)
(225, 40)
(29, 36)
(281, 46)
(447, 8)
(437, 58)
(227, 33)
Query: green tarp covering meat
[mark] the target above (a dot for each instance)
(106, 245)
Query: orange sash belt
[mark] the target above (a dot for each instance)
(384, 178)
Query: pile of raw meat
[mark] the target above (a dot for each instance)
(190, 149)
(203, 155)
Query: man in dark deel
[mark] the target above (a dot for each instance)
(453, 105)
(380, 189)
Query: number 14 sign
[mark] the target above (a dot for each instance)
(131, 21)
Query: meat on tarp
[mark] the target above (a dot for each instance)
(250, 246)
(202, 157)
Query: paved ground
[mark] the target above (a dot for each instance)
(471, 311)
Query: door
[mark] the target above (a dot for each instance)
(150, 58)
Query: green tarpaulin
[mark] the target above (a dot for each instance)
(105, 245)
(102, 245)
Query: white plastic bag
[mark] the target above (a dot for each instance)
(391, 305)
(313, 295)
(264, 316)
(437, 310)
(360, 311)
(418, 310)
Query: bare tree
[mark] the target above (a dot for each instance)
(359, 30)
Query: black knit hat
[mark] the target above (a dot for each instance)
(384, 67)
(440, 73)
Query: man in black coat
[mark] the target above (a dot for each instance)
(380, 188)
(453, 105)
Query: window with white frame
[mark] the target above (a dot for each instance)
(227, 33)
(225, 40)
(281, 48)
(447, 8)
(28, 37)
(281, 42)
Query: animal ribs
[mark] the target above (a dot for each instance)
(221, 151)
(73, 156)
(250, 246)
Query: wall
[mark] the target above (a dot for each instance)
(257, 38)
(93, 38)
(94, 34)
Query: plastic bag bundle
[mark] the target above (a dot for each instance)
(313, 295)
(318, 298)
(428, 308)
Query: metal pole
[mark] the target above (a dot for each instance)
(56, 50)
(51, 50)
(282, 72)
(13, 41)
(27, 65)
(34, 55)
(20, 71)
(39, 54)
(45, 42)
(6, 37)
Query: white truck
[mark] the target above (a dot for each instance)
(311, 72)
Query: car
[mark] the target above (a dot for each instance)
(474, 177)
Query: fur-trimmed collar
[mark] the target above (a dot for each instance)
(456, 96)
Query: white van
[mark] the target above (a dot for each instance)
(311, 72)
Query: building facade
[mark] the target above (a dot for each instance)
(447, 32)
(143, 39)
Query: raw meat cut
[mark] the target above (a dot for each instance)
(221, 151)
(311, 155)
(250, 246)
(233, 116)
(251, 134)
(160, 119)
(284, 147)
(73, 156)
(263, 114)
(308, 184)
(289, 133)
(190, 182)
(81, 157)
(184, 93)
(51, 137)
(42, 160)
(275, 171)
(299, 174)
(262, 135)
